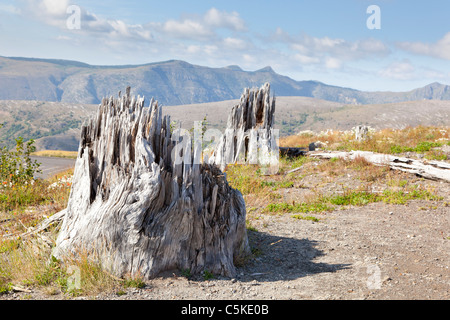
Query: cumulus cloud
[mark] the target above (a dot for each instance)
(405, 70)
(439, 49)
(329, 52)
(333, 63)
(57, 12)
(186, 29)
(399, 70)
(197, 27)
(54, 7)
(201, 27)
(223, 19)
(340, 48)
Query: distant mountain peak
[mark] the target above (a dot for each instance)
(435, 84)
(266, 69)
(234, 68)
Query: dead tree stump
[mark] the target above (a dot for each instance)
(141, 206)
(250, 137)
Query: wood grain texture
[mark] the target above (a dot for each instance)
(140, 206)
(249, 137)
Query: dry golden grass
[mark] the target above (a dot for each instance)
(26, 261)
(56, 154)
(419, 139)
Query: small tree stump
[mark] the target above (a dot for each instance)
(250, 137)
(141, 206)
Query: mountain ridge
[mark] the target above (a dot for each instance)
(174, 82)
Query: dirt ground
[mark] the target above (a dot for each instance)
(376, 252)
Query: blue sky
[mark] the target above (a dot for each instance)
(328, 41)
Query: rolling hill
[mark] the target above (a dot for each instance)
(56, 125)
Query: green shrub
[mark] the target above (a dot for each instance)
(16, 166)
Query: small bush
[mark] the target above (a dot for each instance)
(16, 167)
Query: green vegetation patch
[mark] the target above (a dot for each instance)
(354, 198)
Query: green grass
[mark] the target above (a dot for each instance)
(421, 147)
(412, 193)
(275, 185)
(5, 287)
(304, 207)
(135, 282)
(354, 198)
(301, 217)
(250, 227)
(207, 275)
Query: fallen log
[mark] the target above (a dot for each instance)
(141, 205)
(434, 170)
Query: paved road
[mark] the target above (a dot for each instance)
(51, 166)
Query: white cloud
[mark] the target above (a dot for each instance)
(186, 29)
(399, 70)
(235, 43)
(304, 59)
(439, 49)
(333, 63)
(10, 9)
(332, 53)
(223, 19)
(201, 27)
(54, 7)
(55, 13)
(405, 70)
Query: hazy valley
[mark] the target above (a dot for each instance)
(56, 125)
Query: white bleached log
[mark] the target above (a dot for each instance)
(434, 170)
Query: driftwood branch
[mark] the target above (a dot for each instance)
(56, 218)
(434, 170)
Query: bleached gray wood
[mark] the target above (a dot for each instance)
(434, 170)
(249, 135)
(139, 212)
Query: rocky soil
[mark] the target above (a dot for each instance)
(374, 252)
(378, 251)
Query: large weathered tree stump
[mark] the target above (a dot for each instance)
(250, 137)
(140, 205)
